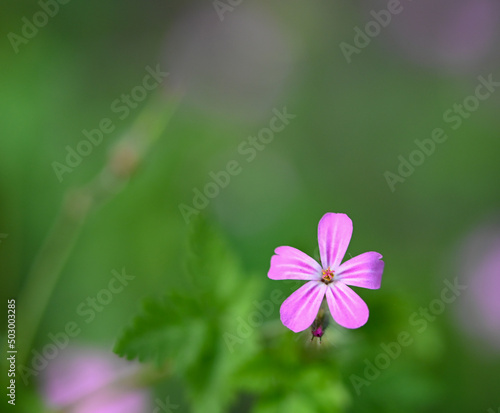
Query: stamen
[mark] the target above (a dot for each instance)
(328, 275)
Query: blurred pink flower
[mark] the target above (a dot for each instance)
(453, 35)
(85, 381)
(478, 266)
(236, 68)
(331, 279)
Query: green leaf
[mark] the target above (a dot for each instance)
(188, 327)
(162, 332)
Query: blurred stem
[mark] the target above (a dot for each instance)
(42, 279)
(125, 156)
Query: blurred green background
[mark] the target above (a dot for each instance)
(352, 122)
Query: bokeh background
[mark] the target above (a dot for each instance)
(231, 65)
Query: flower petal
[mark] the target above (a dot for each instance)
(364, 270)
(300, 309)
(334, 235)
(347, 308)
(292, 264)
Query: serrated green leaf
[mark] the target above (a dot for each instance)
(162, 333)
(187, 327)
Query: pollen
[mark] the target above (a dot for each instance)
(328, 275)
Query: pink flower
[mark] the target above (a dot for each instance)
(331, 278)
(84, 380)
(477, 264)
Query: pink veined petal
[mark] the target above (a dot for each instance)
(292, 264)
(300, 309)
(347, 308)
(364, 270)
(334, 235)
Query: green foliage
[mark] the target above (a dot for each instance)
(163, 331)
(186, 328)
(294, 374)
